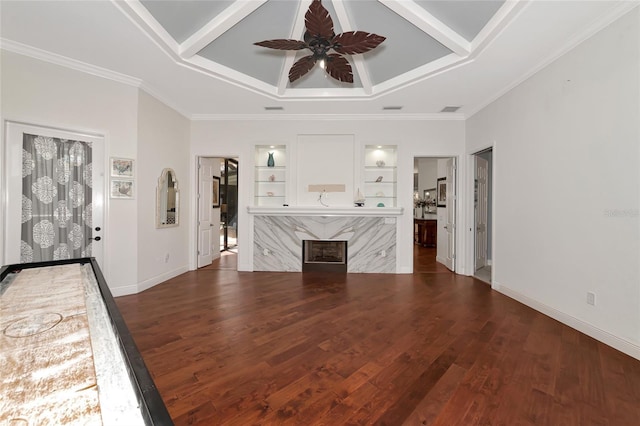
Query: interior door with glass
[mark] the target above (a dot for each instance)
(229, 205)
(481, 211)
(55, 195)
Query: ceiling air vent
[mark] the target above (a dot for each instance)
(450, 109)
(273, 108)
(392, 108)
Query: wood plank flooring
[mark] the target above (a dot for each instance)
(432, 348)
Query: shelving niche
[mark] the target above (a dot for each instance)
(380, 175)
(270, 181)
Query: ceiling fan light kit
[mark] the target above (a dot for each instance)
(320, 39)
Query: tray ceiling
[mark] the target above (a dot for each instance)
(422, 37)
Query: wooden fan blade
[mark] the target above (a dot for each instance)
(301, 67)
(353, 42)
(318, 21)
(339, 68)
(282, 44)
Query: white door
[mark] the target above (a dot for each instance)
(13, 178)
(208, 236)
(450, 226)
(481, 202)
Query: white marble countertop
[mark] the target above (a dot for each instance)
(325, 211)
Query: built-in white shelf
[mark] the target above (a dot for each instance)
(380, 161)
(270, 181)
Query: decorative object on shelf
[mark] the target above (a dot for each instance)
(270, 161)
(319, 38)
(272, 178)
(359, 199)
(321, 198)
(380, 163)
(379, 194)
(270, 194)
(380, 205)
(379, 179)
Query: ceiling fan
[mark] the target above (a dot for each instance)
(320, 38)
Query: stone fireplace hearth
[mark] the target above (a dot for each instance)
(279, 235)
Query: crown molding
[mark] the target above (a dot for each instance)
(607, 19)
(63, 61)
(330, 117)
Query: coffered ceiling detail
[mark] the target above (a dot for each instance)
(441, 59)
(423, 38)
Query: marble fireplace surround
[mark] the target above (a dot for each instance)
(370, 233)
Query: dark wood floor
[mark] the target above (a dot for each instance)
(432, 348)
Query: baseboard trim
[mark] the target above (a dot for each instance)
(245, 267)
(124, 290)
(147, 284)
(623, 345)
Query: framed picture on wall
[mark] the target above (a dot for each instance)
(215, 196)
(121, 167)
(442, 192)
(122, 188)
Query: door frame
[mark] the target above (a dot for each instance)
(6, 180)
(479, 203)
(193, 243)
(471, 210)
(458, 265)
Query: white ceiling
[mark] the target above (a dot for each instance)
(199, 57)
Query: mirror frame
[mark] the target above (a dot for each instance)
(162, 190)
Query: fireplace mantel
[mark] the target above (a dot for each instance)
(325, 211)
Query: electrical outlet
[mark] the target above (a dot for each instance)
(591, 298)
(166, 258)
(383, 253)
(265, 252)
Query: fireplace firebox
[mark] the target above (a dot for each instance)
(324, 255)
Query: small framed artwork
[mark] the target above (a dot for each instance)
(442, 192)
(215, 196)
(122, 188)
(122, 167)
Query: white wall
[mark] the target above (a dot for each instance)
(428, 174)
(237, 139)
(40, 93)
(567, 185)
(163, 140)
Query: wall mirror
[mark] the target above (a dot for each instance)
(167, 200)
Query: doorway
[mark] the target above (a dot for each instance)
(434, 197)
(483, 225)
(55, 190)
